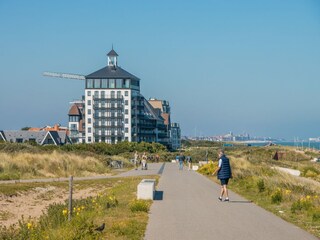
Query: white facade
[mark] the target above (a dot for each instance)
(108, 113)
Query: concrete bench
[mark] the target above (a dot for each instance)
(146, 189)
(195, 168)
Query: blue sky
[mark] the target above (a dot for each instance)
(241, 66)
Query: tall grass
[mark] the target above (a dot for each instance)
(55, 164)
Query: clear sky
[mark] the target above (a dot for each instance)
(240, 66)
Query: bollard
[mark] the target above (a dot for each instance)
(70, 198)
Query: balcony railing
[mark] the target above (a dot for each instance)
(118, 106)
(119, 116)
(109, 135)
(107, 97)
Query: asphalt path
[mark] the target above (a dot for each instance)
(187, 207)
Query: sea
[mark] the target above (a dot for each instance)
(300, 145)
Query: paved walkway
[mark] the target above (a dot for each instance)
(189, 209)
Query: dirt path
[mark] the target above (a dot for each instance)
(33, 203)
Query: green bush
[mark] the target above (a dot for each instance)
(261, 186)
(276, 197)
(316, 216)
(140, 206)
(301, 204)
(97, 148)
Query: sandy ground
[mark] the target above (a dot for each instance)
(33, 203)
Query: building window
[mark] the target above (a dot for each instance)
(135, 83)
(19, 140)
(126, 130)
(112, 94)
(96, 94)
(73, 118)
(89, 139)
(118, 94)
(103, 94)
(119, 83)
(104, 83)
(89, 102)
(111, 83)
(126, 111)
(89, 93)
(89, 83)
(89, 111)
(127, 83)
(126, 120)
(126, 93)
(73, 126)
(89, 129)
(89, 120)
(96, 83)
(126, 102)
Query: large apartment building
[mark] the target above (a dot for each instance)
(114, 110)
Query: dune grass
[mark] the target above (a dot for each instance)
(23, 165)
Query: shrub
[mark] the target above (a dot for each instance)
(310, 172)
(301, 204)
(276, 197)
(260, 185)
(207, 169)
(140, 206)
(316, 216)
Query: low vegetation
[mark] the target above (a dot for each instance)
(26, 161)
(295, 199)
(124, 217)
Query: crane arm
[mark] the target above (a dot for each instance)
(64, 75)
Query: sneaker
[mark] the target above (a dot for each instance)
(220, 199)
(226, 200)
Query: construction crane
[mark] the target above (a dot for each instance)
(64, 75)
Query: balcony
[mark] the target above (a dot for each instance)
(119, 116)
(108, 97)
(109, 135)
(118, 106)
(119, 125)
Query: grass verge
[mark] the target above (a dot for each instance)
(114, 205)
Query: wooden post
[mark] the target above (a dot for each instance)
(70, 198)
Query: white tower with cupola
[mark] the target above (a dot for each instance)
(112, 58)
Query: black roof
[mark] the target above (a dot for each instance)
(112, 53)
(111, 72)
